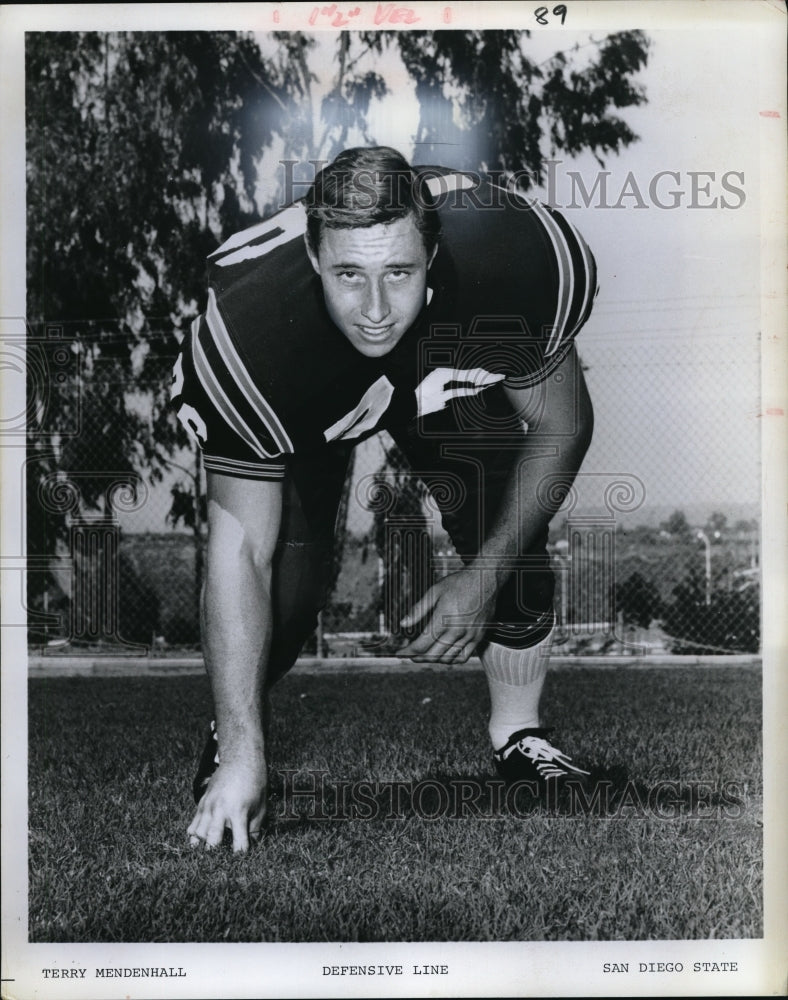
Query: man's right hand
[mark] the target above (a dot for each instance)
(235, 799)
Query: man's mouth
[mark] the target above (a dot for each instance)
(375, 332)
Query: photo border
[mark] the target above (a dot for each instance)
(484, 969)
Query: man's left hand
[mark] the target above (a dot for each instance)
(458, 610)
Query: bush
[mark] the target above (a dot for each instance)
(40, 628)
(138, 605)
(729, 623)
(638, 600)
(182, 631)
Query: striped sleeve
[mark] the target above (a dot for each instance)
(577, 280)
(229, 445)
(263, 471)
(240, 396)
(243, 435)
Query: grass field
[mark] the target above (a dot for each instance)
(673, 851)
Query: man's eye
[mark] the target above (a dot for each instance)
(399, 275)
(348, 275)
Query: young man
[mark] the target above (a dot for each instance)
(443, 309)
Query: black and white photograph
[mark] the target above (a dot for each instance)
(393, 534)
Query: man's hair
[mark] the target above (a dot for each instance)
(367, 186)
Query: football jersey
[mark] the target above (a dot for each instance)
(264, 372)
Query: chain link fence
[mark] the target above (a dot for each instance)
(655, 550)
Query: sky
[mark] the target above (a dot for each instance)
(678, 313)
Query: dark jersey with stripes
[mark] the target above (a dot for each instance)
(266, 373)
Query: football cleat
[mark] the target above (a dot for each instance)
(529, 757)
(209, 761)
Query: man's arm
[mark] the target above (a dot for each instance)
(560, 421)
(559, 415)
(243, 527)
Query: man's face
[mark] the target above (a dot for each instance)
(374, 282)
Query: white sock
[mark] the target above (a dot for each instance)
(515, 678)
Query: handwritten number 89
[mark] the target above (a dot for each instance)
(541, 13)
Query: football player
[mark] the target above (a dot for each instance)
(442, 308)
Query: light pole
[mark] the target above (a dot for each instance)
(705, 539)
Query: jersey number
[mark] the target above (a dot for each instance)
(192, 422)
(366, 414)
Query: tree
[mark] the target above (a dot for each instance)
(141, 156)
(676, 524)
(483, 103)
(717, 522)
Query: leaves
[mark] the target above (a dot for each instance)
(485, 104)
(142, 155)
(579, 102)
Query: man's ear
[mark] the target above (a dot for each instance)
(311, 255)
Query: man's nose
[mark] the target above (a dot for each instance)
(376, 307)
